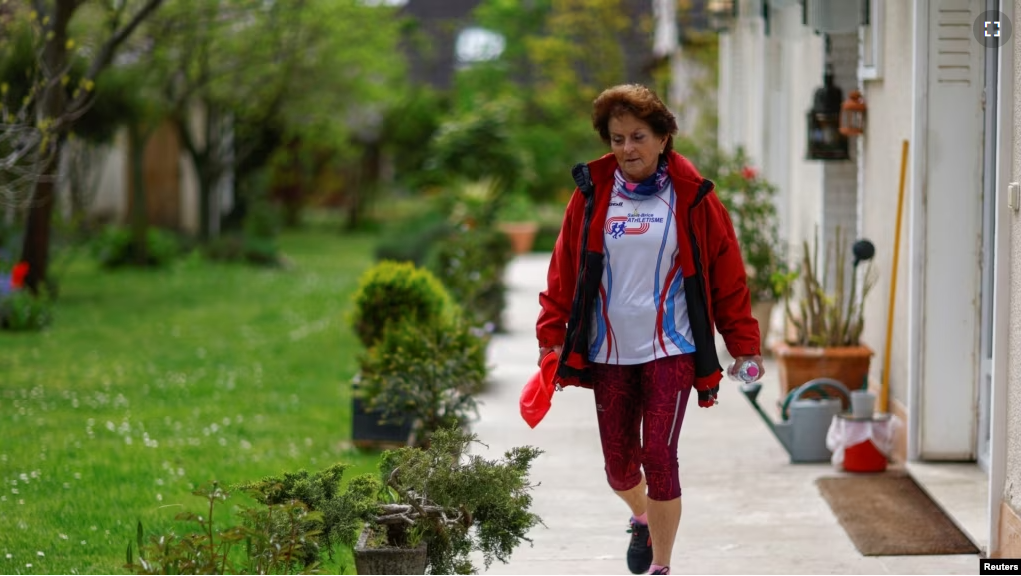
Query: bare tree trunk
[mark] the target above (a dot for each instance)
(207, 169)
(139, 216)
(35, 250)
(52, 111)
(366, 185)
(36, 245)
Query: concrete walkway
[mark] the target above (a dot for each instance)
(747, 510)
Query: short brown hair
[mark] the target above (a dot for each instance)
(639, 101)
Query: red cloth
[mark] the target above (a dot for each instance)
(537, 395)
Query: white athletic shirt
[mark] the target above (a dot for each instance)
(640, 313)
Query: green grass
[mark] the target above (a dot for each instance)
(151, 383)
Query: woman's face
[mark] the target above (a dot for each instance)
(636, 146)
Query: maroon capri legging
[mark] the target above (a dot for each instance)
(640, 409)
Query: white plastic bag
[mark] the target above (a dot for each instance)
(845, 432)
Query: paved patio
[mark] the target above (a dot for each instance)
(747, 510)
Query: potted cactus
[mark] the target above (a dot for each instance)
(827, 325)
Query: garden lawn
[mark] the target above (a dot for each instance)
(151, 383)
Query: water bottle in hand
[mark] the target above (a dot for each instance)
(748, 371)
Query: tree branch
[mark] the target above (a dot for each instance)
(110, 46)
(394, 519)
(181, 119)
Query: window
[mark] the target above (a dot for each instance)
(870, 40)
(478, 45)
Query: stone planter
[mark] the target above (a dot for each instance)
(388, 560)
(799, 364)
(521, 234)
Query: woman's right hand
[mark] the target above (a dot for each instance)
(544, 350)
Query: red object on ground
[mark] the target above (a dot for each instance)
(537, 395)
(864, 457)
(18, 274)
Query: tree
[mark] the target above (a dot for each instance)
(580, 52)
(46, 115)
(263, 74)
(558, 55)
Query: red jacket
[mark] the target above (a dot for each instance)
(715, 285)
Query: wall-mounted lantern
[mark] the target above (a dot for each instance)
(852, 115)
(825, 142)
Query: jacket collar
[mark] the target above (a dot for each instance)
(689, 185)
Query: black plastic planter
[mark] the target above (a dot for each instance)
(369, 432)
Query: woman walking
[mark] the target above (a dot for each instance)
(646, 264)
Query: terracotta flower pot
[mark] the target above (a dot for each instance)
(521, 234)
(762, 311)
(799, 364)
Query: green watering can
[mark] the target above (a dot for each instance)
(806, 414)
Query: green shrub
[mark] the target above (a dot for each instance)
(115, 247)
(472, 203)
(409, 240)
(517, 207)
(460, 504)
(241, 247)
(477, 144)
(339, 515)
(20, 310)
(276, 539)
(551, 145)
(396, 292)
(546, 239)
(255, 240)
(471, 264)
(407, 125)
(429, 373)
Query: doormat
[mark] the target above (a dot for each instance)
(889, 515)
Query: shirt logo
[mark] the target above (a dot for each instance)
(617, 226)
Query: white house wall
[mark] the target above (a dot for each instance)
(189, 194)
(1012, 489)
(788, 97)
(111, 196)
(840, 177)
(802, 62)
(741, 88)
(888, 125)
(766, 88)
